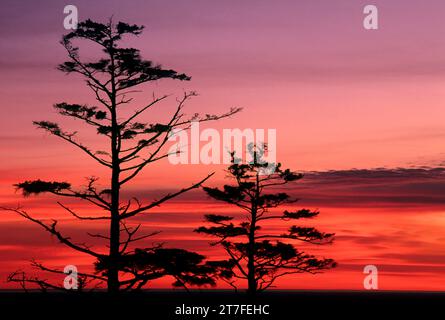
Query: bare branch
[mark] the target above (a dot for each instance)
(163, 199)
(52, 229)
(81, 217)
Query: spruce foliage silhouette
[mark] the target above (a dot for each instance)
(256, 255)
(131, 145)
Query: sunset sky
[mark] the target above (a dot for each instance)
(360, 112)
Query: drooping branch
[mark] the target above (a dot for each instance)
(22, 279)
(52, 229)
(81, 217)
(55, 130)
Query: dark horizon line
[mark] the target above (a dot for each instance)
(240, 291)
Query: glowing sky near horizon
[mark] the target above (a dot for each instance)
(340, 97)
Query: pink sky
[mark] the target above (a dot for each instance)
(339, 96)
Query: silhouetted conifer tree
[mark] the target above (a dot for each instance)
(255, 254)
(132, 145)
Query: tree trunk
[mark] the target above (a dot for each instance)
(251, 281)
(113, 269)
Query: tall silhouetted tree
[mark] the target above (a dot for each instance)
(132, 144)
(256, 255)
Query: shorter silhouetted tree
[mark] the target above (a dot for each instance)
(258, 256)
